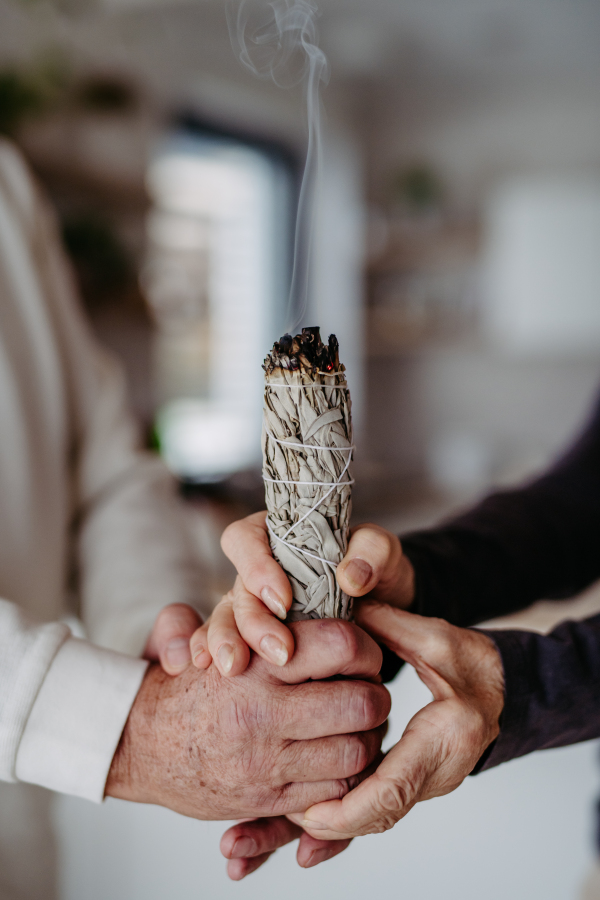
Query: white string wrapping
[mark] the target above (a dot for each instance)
(308, 486)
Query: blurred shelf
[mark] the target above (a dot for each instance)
(421, 288)
(66, 179)
(414, 245)
(101, 157)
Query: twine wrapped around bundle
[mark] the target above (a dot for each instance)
(307, 450)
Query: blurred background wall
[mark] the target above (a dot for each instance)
(457, 236)
(446, 126)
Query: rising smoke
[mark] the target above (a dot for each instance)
(277, 39)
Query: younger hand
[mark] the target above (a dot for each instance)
(248, 616)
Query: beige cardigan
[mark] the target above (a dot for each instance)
(88, 524)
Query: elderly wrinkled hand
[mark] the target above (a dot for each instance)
(248, 845)
(442, 742)
(267, 743)
(439, 748)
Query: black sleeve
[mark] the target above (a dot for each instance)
(552, 690)
(539, 542)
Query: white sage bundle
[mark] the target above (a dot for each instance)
(307, 450)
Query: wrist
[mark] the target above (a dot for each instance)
(162, 751)
(490, 681)
(134, 769)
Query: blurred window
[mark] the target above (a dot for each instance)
(216, 280)
(543, 265)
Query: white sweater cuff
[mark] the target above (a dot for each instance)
(77, 719)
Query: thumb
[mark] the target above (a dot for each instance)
(372, 553)
(169, 641)
(375, 564)
(390, 793)
(411, 636)
(421, 642)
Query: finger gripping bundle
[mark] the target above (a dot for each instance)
(307, 450)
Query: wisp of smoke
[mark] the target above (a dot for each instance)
(271, 38)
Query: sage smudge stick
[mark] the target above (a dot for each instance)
(307, 450)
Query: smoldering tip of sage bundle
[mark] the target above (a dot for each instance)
(307, 450)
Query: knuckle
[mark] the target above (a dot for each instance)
(382, 544)
(368, 707)
(382, 824)
(199, 640)
(356, 755)
(274, 831)
(226, 600)
(254, 574)
(221, 615)
(389, 543)
(382, 703)
(265, 801)
(341, 787)
(394, 544)
(393, 797)
(289, 798)
(353, 781)
(244, 605)
(430, 648)
(435, 644)
(440, 625)
(242, 721)
(342, 640)
(230, 537)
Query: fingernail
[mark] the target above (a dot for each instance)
(316, 857)
(225, 656)
(275, 604)
(199, 657)
(244, 846)
(177, 652)
(274, 650)
(314, 826)
(358, 572)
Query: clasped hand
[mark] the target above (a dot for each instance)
(268, 742)
(441, 744)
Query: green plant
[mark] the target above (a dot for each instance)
(418, 188)
(28, 92)
(20, 98)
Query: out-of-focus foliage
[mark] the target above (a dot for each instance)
(102, 263)
(49, 85)
(31, 91)
(418, 188)
(20, 98)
